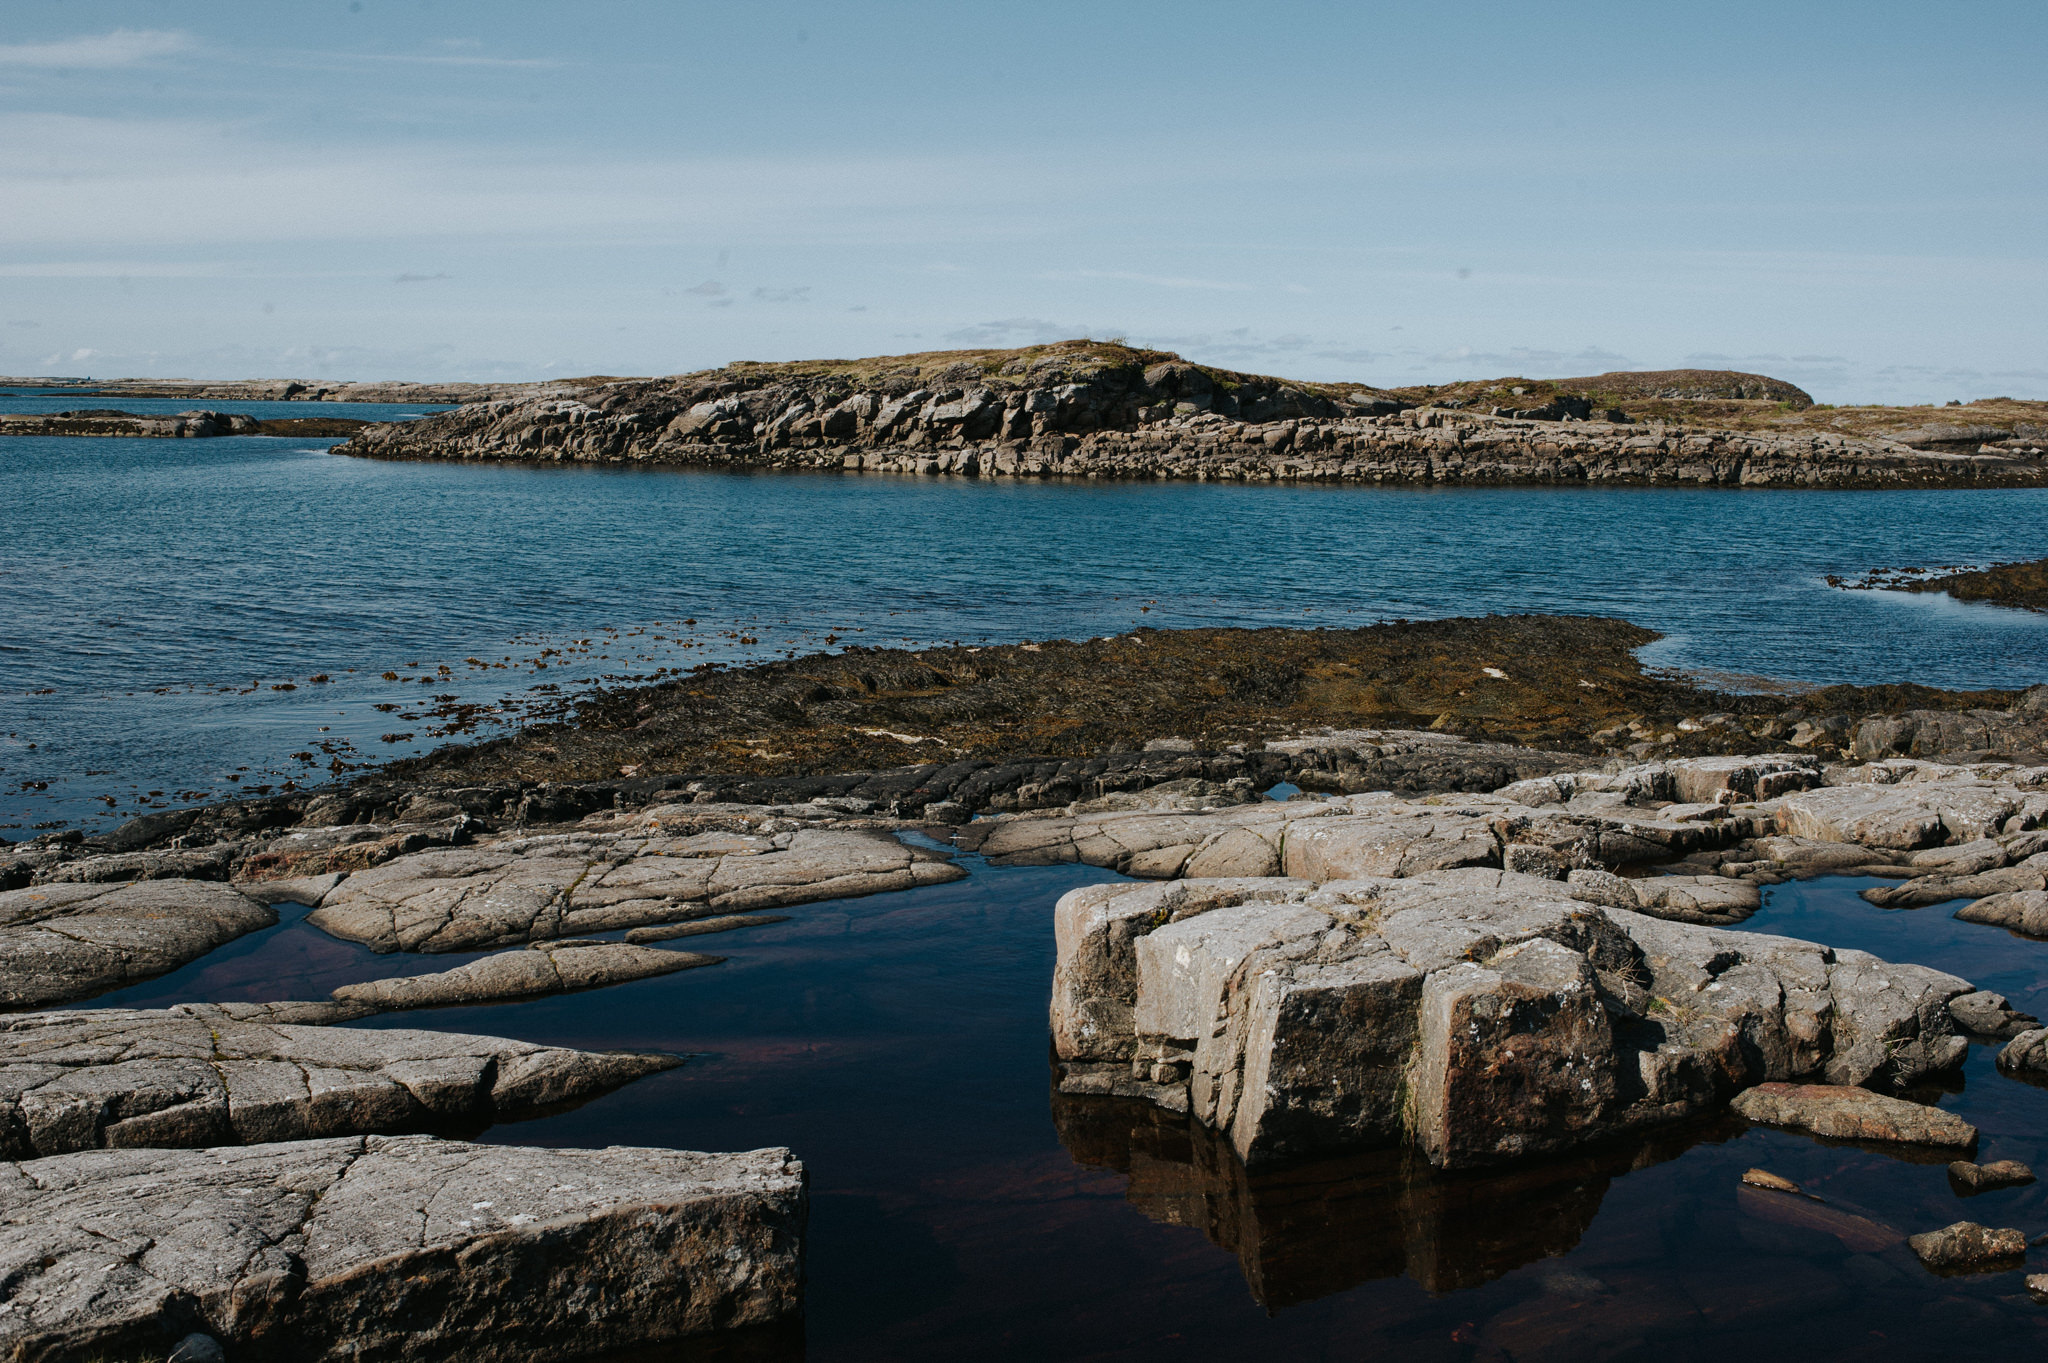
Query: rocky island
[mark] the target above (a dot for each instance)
(1107, 410)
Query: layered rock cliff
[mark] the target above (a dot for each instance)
(1089, 409)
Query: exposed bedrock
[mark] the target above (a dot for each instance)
(1085, 409)
(71, 941)
(200, 1075)
(533, 889)
(543, 968)
(1478, 1015)
(395, 1248)
(1325, 1226)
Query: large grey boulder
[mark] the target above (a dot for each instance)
(197, 1076)
(395, 1248)
(1480, 1015)
(535, 889)
(71, 941)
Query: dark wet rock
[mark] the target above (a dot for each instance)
(1987, 1014)
(543, 968)
(396, 1248)
(1482, 1014)
(195, 1076)
(725, 922)
(1967, 1247)
(539, 888)
(1853, 1114)
(71, 941)
(1971, 1178)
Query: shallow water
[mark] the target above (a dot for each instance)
(961, 1209)
(157, 591)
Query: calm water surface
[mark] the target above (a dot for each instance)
(898, 1044)
(158, 592)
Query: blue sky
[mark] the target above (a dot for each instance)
(1850, 196)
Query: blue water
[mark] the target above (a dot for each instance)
(156, 591)
(898, 1044)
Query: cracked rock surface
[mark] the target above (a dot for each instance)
(1477, 1014)
(70, 941)
(395, 1248)
(537, 888)
(196, 1075)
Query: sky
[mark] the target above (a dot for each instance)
(1847, 195)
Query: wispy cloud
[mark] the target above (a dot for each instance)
(1156, 280)
(1014, 331)
(122, 47)
(420, 278)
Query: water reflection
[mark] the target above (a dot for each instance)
(1314, 1229)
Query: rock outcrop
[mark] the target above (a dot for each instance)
(185, 425)
(200, 1075)
(1479, 1015)
(395, 1248)
(537, 888)
(1085, 409)
(70, 941)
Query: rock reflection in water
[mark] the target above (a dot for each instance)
(1310, 1230)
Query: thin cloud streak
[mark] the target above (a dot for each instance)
(105, 51)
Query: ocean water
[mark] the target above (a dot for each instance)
(168, 603)
(962, 1209)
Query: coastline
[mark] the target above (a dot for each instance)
(1092, 410)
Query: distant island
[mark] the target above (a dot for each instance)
(1103, 409)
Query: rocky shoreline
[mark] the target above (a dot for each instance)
(1102, 410)
(2022, 585)
(197, 424)
(1493, 938)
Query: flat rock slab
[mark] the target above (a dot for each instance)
(71, 941)
(194, 1076)
(395, 1248)
(1854, 1114)
(1967, 1247)
(539, 969)
(537, 889)
(1484, 1015)
(725, 922)
(2021, 910)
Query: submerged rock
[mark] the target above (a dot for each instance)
(395, 1248)
(1854, 1114)
(1481, 1015)
(71, 941)
(538, 888)
(196, 1075)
